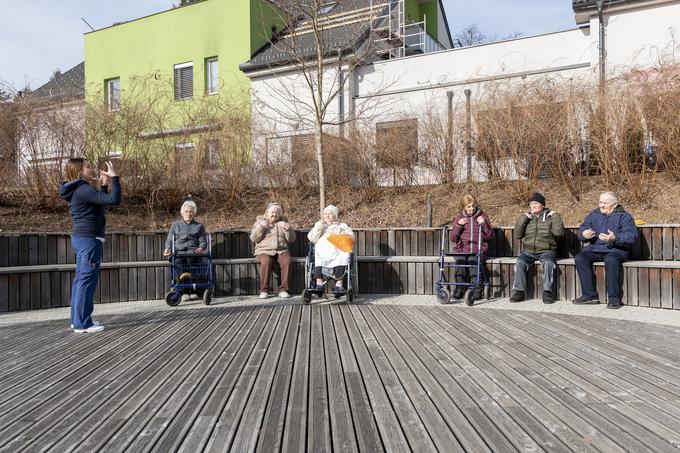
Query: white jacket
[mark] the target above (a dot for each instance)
(325, 253)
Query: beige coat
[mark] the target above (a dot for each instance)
(273, 239)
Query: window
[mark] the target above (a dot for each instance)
(113, 94)
(278, 150)
(397, 143)
(184, 154)
(211, 76)
(212, 154)
(184, 81)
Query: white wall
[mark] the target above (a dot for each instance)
(409, 87)
(641, 37)
(48, 135)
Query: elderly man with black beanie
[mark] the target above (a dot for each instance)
(539, 230)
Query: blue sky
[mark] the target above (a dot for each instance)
(39, 36)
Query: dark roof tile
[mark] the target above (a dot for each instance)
(70, 84)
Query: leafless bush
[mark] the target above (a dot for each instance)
(168, 149)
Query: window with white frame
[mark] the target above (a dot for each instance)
(113, 94)
(211, 76)
(184, 81)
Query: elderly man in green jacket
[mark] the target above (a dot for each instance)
(539, 230)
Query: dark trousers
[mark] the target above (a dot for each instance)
(337, 271)
(468, 274)
(266, 264)
(526, 260)
(88, 260)
(612, 268)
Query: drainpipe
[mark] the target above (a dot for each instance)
(468, 133)
(602, 53)
(449, 137)
(341, 95)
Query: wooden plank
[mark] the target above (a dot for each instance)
(36, 292)
(657, 243)
(632, 295)
(360, 243)
(25, 292)
(676, 243)
(42, 249)
(420, 278)
(318, 419)
(666, 288)
(4, 293)
(52, 249)
(61, 250)
(411, 278)
(4, 251)
(676, 289)
(645, 243)
(295, 429)
(123, 280)
(643, 287)
(342, 427)
(655, 288)
(600, 283)
(667, 243)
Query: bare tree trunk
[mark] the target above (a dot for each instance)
(318, 147)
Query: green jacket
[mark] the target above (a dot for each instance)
(540, 233)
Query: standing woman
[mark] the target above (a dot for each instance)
(86, 204)
(465, 236)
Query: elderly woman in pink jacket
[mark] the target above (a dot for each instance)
(465, 236)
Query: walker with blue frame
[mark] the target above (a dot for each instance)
(443, 286)
(191, 273)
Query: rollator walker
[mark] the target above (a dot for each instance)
(191, 274)
(443, 286)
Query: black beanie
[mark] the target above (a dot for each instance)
(537, 197)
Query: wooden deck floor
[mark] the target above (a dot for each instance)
(339, 378)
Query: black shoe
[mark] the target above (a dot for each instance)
(548, 297)
(614, 304)
(583, 300)
(459, 292)
(517, 296)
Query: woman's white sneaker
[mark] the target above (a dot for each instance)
(263, 295)
(95, 327)
(284, 294)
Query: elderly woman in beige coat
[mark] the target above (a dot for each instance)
(271, 234)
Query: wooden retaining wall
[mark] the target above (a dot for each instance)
(36, 270)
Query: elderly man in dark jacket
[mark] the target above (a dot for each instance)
(539, 230)
(608, 234)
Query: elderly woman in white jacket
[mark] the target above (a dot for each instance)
(326, 254)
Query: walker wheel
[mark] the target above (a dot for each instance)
(349, 296)
(172, 298)
(306, 296)
(468, 298)
(443, 295)
(207, 296)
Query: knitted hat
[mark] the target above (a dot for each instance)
(332, 209)
(537, 197)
